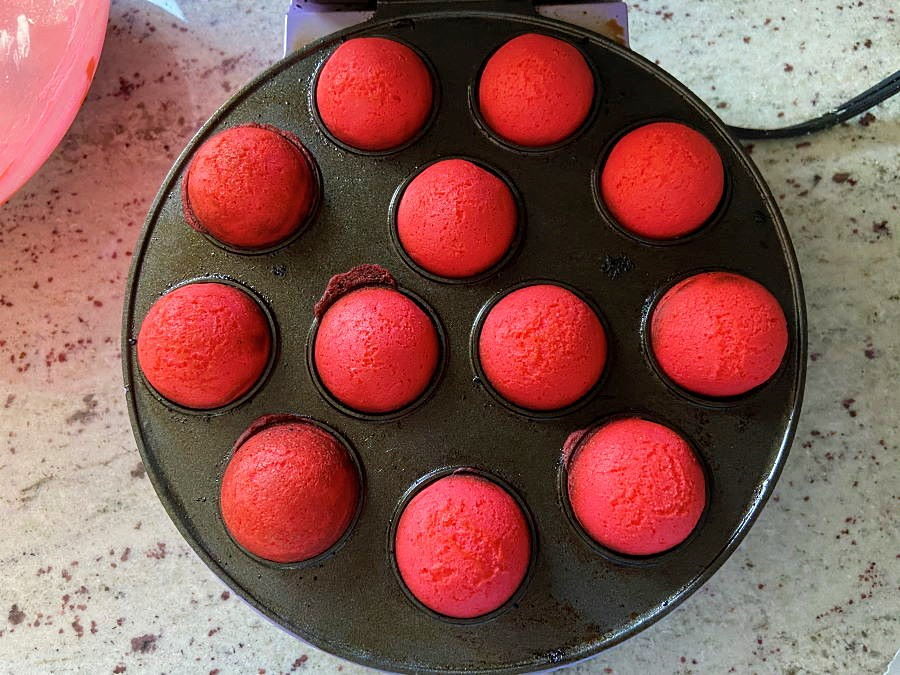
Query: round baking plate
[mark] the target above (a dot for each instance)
(578, 601)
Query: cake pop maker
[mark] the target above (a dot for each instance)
(575, 596)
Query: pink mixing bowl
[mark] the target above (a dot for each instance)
(48, 54)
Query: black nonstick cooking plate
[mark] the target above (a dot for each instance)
(578, 600)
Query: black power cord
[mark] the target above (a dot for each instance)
(856, 105)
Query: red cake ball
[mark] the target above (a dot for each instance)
(536, 90)
(204, 345)
(376, 350)
(249, 187)
(719, 334)
(463, 546)
(542, 347)
(374, 93)
(289, 493)
(636, 487)
(663, 180)
(456, 219)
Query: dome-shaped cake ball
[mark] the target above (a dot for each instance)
(542, 347)
(374, 94)
(663, 180)
(376, 350)
(536, 91)
(289, 492)
(636, 487)
(250, 187)
(204, 345)
(718, 334)
(456, 219)
(463, 546)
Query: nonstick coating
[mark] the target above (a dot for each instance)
(578, 601)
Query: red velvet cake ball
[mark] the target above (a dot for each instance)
(204, 345)
(289, 492)
(463, 546)
(636, 487)
(374, 93)
(542, 347)
(249, 187)
(719, 334)
(663, 180)
(456, 219)
(536, 90)
(376, 350)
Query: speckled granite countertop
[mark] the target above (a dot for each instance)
(94, 577)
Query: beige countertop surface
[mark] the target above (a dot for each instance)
(94, 578)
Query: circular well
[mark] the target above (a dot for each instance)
(431, 478)
(475, 107)
(484, 381)
(511, 251)
(624, 559)
(400, 412)
(267, 422)
(426, 125)
(274, 352)
(303, 226)
(711, 402)
(607, 215)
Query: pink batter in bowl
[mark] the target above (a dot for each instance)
(48, 55)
